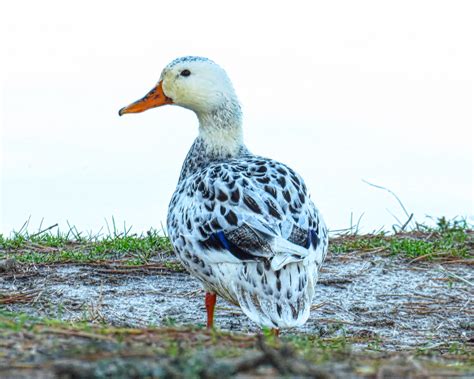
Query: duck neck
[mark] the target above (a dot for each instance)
(221, 130)
(220, 138)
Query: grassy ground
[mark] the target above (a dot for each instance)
(81, 349)
(448, 240)
(49, 347)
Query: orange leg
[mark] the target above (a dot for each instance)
(275, 332)
(210, 303)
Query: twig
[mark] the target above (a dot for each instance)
(317, 306)
(358, 223)
(25, 226)
(452, 274)
(395, 217)
(459, 261)
(77, 333)
(272, 356)
(44, 230)
(389, 191)
(248, 363)
(420, 258)
(406, 223)
(336, 281)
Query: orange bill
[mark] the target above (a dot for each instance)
(155, 98)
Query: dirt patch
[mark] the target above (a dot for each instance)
(404, 305)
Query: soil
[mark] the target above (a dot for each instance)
(383, 303)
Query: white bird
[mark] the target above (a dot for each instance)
(242, 224)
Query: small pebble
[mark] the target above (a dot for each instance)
(8, 264)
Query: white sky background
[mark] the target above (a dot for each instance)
(339, 90)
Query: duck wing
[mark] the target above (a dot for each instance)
(250, 209)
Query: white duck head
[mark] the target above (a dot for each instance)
(202, 86)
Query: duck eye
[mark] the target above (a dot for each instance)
(185, 73)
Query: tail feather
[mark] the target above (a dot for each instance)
(279, 300)
(286, 252)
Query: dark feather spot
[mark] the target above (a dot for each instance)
(266, 264)
(262, 169)
(231, 218)
(264, 180)
(288, 293)
(294, 312)
(296, 204)
(272, 191)
(235, 195)
(301, 196)
(295, 179)
(300, 285)
(222, 210)
(202, 232)
(287, 195)
(215, 224)
(259, 268)
(279, 309)
(222, 196)
(251, 203)
(314, 238)
(273, 209)
(281, 181)
(209, 207)
(281, 170)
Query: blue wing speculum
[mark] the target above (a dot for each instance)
(246, 244)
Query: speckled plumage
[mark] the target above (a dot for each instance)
(276, 238)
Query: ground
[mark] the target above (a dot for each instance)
(386, 306)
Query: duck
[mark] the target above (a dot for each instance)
(242, 224)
